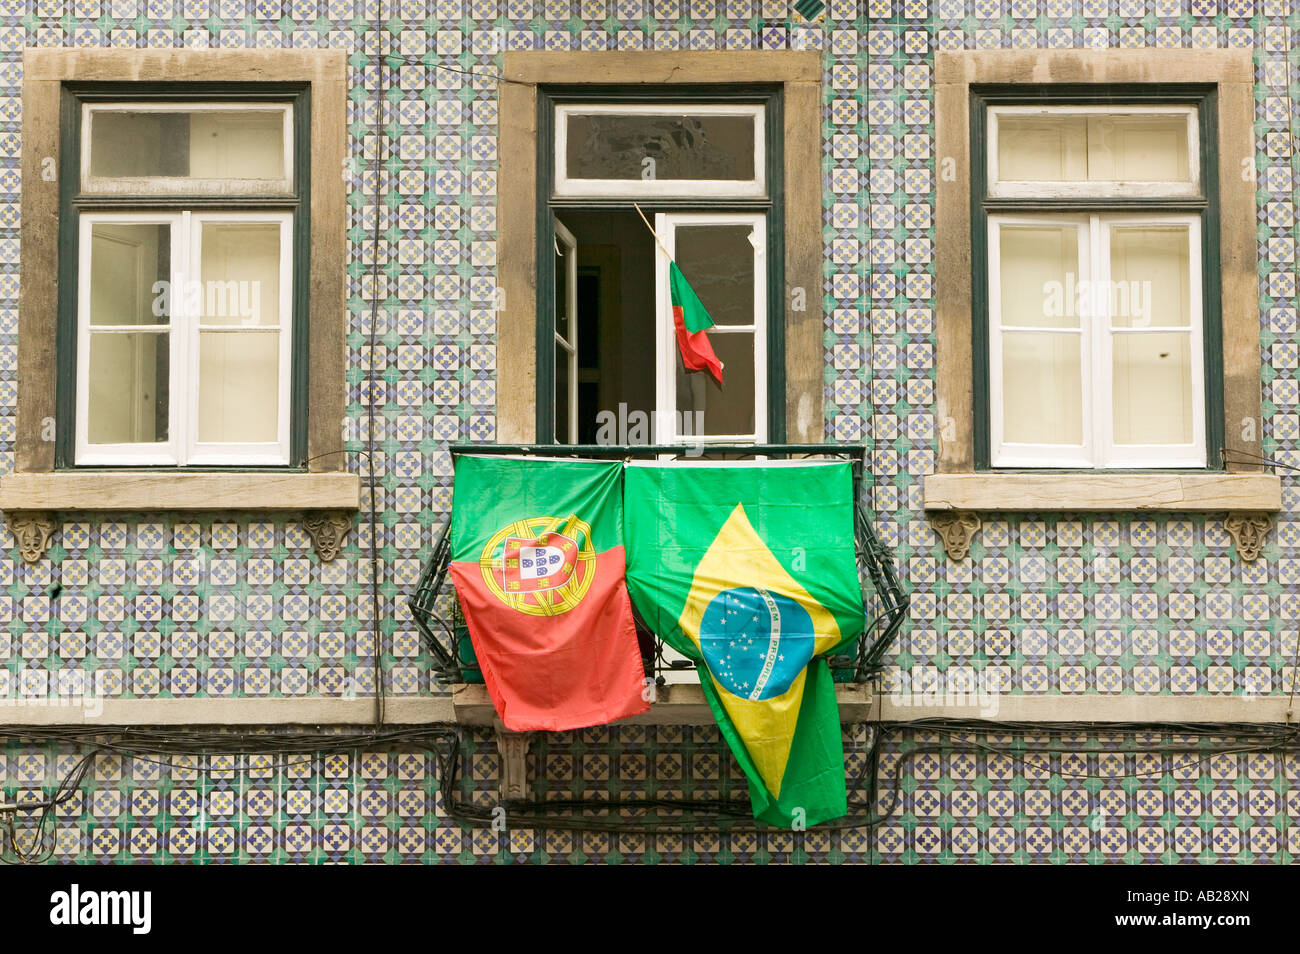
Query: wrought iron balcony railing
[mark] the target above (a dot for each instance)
(437, 614)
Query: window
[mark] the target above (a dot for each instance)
(183, 308)
(1096, 314)
(695, 165)
(721, 98)
(1121, 159)
(196, 168)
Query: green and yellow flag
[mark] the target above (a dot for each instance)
(751, 570)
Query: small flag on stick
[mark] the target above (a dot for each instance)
(690, 321)
(690, 318)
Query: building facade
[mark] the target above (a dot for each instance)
(1098, 662)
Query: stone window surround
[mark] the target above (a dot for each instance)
(36, 491)
(957, 493)
(799, 72)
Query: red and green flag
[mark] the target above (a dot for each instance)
(751, 571)
(539, 567)
(690, 321)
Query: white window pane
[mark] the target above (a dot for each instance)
(703, 407)
(1081, 147)
(1153, 388)
(1138, 148)
(241, 273)
(1042, 388)
(128, 388)
(1042, 149)
(239, 386)
(643, 146)
(1150, 277)
(718, 261)
(126, 263)
(195, 144)
(1039, 276)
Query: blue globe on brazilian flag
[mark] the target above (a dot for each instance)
(752, 571)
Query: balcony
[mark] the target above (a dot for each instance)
(677, 697)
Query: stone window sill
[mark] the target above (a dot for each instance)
(954, 500)
(30, 500)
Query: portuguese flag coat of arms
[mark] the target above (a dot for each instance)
(538, 563)
(751, 571)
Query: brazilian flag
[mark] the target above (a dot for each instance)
(750, 569)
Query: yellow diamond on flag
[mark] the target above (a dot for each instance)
(757, 629)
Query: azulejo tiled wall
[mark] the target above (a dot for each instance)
(1080, 798)
(237, 605)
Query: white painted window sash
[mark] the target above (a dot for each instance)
(998, 188)
(667, 420)
(1100, 449)
(659, 188)
(269, 453)
(135, 454)
(182, 446)
(1113, 454)
(1002, 452)
(567, 246)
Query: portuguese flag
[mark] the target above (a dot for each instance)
(751, 571)
(690, 321)
(537, 559)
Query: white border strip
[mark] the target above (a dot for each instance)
(471, 705)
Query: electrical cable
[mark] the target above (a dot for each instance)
(380, 134)
(446, 744)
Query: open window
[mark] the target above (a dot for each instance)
(634, 178)
(723, 256)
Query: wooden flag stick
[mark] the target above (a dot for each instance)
(658, 240)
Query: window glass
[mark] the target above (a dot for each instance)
(128, 388)
(678, 146)
(1153, 389)
(1150, 271)
(175, 143)
(708, 410)
(1042, 388)
(1039, 273)
(1150, 288)
(1100, 152)
(129, 368)
(241, 273)
(709, 150)
(719, 261)
(239, 386)
(126, 263)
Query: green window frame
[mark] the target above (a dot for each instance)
(1204, 99)
(769, 96)
(73, 202)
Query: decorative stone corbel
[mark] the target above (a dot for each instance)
(1248, 531)
(32, 529)
(327, 529)
(956, 528)
(513, 747)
